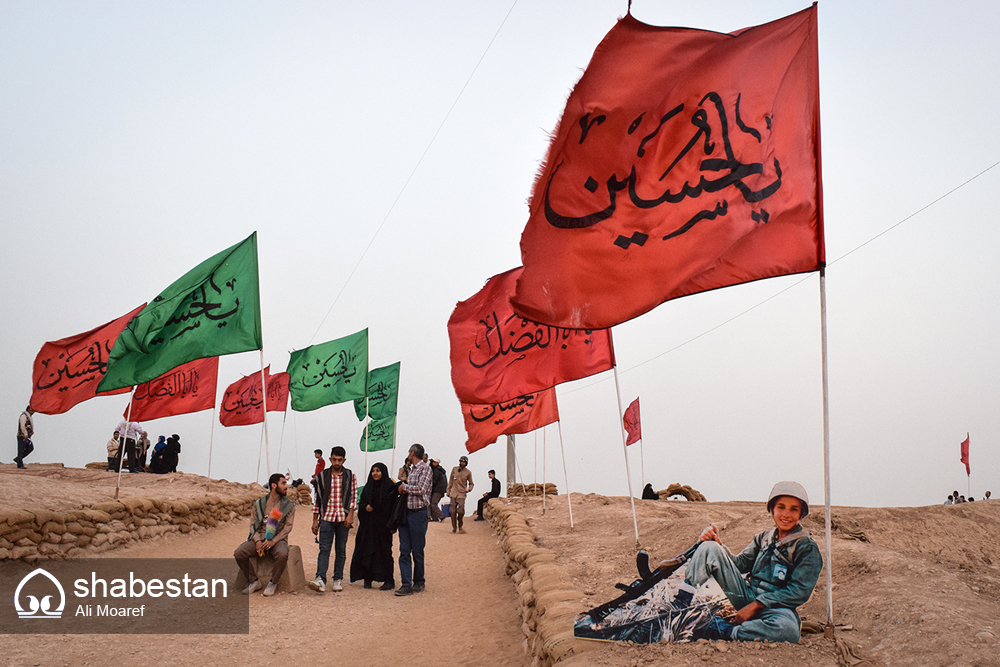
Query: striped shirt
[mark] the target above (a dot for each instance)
(418, 486)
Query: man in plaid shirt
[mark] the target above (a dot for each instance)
(333, 515)
(413, 531)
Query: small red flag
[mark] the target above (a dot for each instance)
(965, 454)
(67, 371)
(243, 402)
(632, 425)
(496, 354)
(277, 392)
(188, 388)
(686, 160)
(486, 422)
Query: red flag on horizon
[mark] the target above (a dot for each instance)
(965, 454)
(686, 160)
(188, 388)
(243, 402)
(496, 354)
(67, 371)
(485, 422)
(632, 425)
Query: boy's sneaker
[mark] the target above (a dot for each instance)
(252, 586)
(318, 585)
(338, 586)
(270, 590)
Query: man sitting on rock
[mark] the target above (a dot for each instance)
(273, 515)
(767, 581)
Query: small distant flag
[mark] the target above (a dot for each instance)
(965, 454)
(632, 424)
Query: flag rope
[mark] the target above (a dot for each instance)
(628, 474)
(826, 458)
(211, 439)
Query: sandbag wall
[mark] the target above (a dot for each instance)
(30, 534)
(550, 602)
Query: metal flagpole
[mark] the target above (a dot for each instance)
(511, 476)
(121, 442)
(369, 417)
(543, 471)
(260, 453)
(535, 479)
(642, 466)
(281, 439)
(628, 473)
(211, 439)
(392, 457)
(263, 387)
(826, 457)
(562, 449)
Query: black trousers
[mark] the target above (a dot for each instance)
(129, 453)
(482, 504)
(24, 447)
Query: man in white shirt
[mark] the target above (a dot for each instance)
(131, 434)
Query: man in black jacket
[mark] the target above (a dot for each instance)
(439, 485)
(333, 515)
(493, 493)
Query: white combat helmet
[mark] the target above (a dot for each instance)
(793, 489)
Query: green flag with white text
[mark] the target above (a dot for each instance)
(383, 393)
(211, 310)
(380, 434)
(329, 373)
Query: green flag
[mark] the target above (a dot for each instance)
(383, 393)
(329, 373)
(211, 310)
(381, 434)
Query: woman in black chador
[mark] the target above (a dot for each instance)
(372, 560)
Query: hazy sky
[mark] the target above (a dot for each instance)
(137, 139)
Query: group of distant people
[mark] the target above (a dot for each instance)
(956, 499)
(130, 444)
(384, 507)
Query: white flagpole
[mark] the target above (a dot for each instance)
(826, 458)
(211, 440)
(263, 387)
(121, 442)
(642, 466)
(369, 418)
(260, 453)
(543, 471)
(281, 438)
(535, 479)
(628, 473)
(562, 449)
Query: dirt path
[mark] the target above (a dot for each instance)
(467, 615)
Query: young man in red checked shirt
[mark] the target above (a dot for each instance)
(333, 515)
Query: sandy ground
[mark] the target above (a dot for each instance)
(918, 586)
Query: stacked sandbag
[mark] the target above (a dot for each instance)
(97, 465)
(37, 533)
(686, 491)
(517, 489)
(304, 496)
(549, 600)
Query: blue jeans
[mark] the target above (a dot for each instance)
(712, 561)
(328, 530)
(412, 538)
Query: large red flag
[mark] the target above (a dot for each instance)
(686, 160)
(486, 422)
(632, 424)
(965, 454)
(496, 354)
(188, 388)
(67, 371)
(243, 402)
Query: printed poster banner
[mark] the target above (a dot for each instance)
(187, 388)
(66, 372)
(212, 310)
(496, 354)
(380, 433)
(484, 423)
(328, 373)
(383, 393)
(686, 160)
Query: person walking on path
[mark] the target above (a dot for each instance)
(494, 492)
(372, 559)
(439, 485)
(459, 485)
(273, 515)
(413, 532)
(25, 429)
(333, 516)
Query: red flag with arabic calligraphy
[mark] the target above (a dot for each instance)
(632, 424)
(496, 354)
(485, 422)
(685, 160)
(243, 402)
(965, 454)
(188, 388)
(67, 371)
